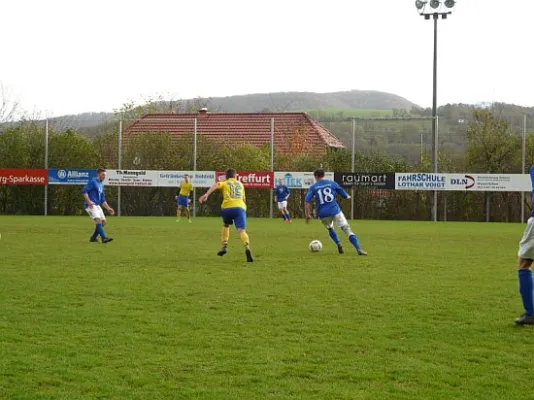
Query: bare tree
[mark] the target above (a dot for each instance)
(8, 106)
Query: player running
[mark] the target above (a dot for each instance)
(183, 200)
(281, 195)
(233, 211)
(94, 196)
(526, 255)
(328, 209)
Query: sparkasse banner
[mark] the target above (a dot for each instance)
(252, 179)
(366, 179)
(463, 182)
(132, 178)
(298, 180)
(70, 176)
(23, 176)
(199, 179)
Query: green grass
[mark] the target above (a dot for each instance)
(155, 315)
(352, 112)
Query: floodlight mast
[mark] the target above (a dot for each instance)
(435, 9)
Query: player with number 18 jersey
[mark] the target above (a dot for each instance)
(329, 212)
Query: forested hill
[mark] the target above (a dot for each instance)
(267, 102)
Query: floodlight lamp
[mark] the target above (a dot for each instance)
(450, 3)
(420, 4)
(435, 3)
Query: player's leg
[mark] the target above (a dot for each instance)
(286, 212)
(328, 223)
(225, 233)
(188, 213)
(343, 224)
(240, 220)
(526, 281)
(281, 209)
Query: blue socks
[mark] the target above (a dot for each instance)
(287, 216)
(284, 216)
(334, 236)
(100, 230)
(526, 288)
(354, 240)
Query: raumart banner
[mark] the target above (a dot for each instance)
(376, 180)
(70, 176)
(298, 180)
(464, 182)
(199, 179)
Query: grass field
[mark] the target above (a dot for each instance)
(352, 112)
(156, 315)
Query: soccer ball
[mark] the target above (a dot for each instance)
(315, 246)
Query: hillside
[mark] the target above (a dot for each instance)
(266, 102)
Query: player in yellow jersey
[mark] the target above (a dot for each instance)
(182, 198)
(233, 211)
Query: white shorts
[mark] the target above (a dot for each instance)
(282, 205)
(526, 245)
(338, 219)
(96, 212)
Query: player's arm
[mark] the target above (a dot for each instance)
(287, 194)
(307, 205)
(85, 193)
(342, 192)
(106, 205)
(212, 189)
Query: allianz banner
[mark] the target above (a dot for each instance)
(375, 180)
(70, 176)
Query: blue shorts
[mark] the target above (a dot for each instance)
(183, 201)
(234, 215)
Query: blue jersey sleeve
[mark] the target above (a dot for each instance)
(88, 187)
(309, 196)
(103, 199)
(340, 191)
(532, 177)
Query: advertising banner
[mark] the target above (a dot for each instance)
(23, 176)
(200, 179)
(252, 179)
(463, 182)
(298, 180)
(132, 178)
(366, 179)
(70, 176)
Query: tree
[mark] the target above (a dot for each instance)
(491, 144)
(8, 106)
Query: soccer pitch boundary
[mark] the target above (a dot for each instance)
(156, 314)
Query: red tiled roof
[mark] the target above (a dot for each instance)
(293, 132)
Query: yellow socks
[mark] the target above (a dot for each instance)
(225, 235)
(244, 238)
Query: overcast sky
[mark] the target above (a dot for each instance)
(71, 56)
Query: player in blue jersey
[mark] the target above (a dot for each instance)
(95, 199)
(526, 256)
(328, 211)
(281, 193)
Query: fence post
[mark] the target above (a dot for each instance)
(523, 164)
(46, 167)
(436, 154)
(271, 199)
(194, 166)
(119, 166)
(352, 167)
